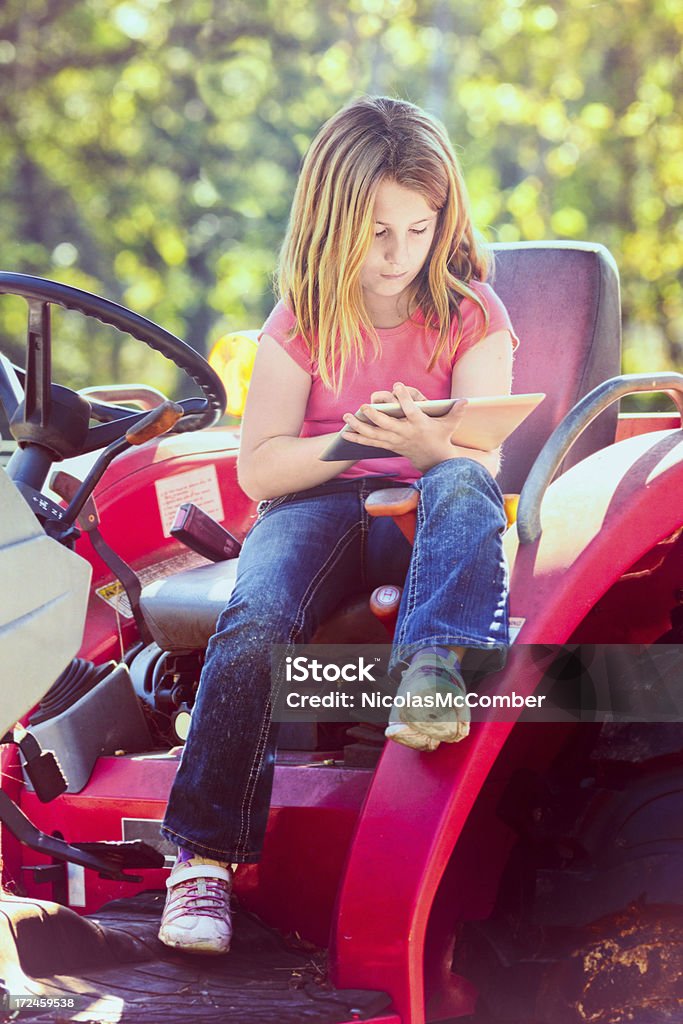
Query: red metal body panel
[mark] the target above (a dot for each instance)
(414, 814)
(632, 424)
(598, 519)
(10, 849)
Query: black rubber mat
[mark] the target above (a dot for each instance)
(115, 968)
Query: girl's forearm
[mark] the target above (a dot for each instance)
(281, 465)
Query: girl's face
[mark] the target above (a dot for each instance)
(404, 230)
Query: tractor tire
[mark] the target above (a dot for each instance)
(628, 970)
(588, 926)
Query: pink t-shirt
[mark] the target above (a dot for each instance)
(406, 350)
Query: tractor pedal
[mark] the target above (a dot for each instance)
(46, 776)
(124, 854)
(41, 766)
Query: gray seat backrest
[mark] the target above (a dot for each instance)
(563, 300)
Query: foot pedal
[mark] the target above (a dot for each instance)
(42, 767)
(120, 856)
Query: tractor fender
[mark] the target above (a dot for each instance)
(598, 519)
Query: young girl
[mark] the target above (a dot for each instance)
(383, 299)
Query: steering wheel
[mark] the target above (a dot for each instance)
(33, 386)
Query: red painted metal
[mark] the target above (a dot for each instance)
(598, 519)
(10, 849)
(414, 814)
(632, 424)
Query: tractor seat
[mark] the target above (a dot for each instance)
(182, 610)
(563, 298)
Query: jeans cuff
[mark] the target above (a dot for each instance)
(229, 856)
(481, 658)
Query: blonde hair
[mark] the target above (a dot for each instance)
(331, 229)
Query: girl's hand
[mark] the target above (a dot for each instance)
(425, 440)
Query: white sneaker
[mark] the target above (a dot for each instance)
(408, 736)
(429, 674)
(196, 916)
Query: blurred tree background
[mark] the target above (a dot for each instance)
(150, 147)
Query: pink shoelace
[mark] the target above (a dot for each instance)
(200, 897)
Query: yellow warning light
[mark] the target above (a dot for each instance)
(232, 357)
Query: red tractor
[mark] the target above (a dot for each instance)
(532, 873)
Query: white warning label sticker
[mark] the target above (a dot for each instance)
(199, 486)
(114, 594)
(515, 627)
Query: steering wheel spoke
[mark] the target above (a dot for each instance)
(37, 399)
(117, 421)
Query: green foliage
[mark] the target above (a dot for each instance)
(150, 147)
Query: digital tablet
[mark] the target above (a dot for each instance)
(485, 424)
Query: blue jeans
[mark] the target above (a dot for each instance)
(306, 552)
